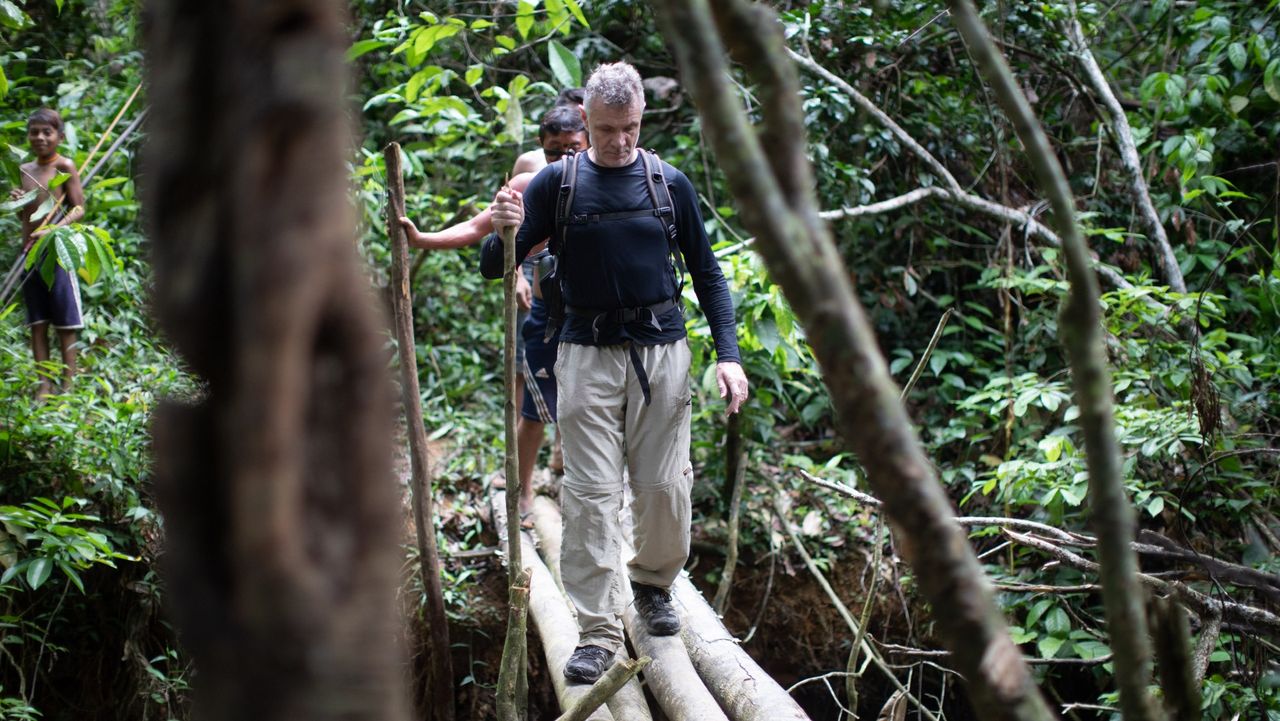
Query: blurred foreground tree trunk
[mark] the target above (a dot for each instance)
(276, 486)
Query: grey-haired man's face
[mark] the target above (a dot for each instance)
(614, 132)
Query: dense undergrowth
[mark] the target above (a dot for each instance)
(461, 84)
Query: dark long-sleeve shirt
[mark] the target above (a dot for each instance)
(613, 264)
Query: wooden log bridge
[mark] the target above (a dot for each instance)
(701, 675)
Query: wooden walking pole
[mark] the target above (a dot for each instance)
(512, 677)
(441, 665)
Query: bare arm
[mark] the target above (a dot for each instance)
(72, 193)
(468, 232)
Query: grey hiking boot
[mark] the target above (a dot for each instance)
(653, 605)
(587, 664)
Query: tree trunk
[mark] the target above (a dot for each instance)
(280, 510)
(1080, 323)
(440, 682)
(777, 203)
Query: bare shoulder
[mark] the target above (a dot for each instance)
(66, 165)
(521, 181)
(529, 162)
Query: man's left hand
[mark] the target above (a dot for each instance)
(732, 382)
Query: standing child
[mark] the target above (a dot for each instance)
(59, 304)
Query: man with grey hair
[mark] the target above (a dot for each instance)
(623, 363)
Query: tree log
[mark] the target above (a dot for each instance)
(551, 614)
(736, 681)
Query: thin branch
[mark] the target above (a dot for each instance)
(870, 108)
(1123, 134)
(1205, 606)
(843, 610)
(615, 678)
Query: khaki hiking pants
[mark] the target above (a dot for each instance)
(604, 422)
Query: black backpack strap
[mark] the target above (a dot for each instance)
(660, 195)
(564, 203)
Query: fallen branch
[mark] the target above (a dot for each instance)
(1203, 605)
(615, 678)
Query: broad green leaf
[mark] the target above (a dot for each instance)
(72, 575)
(524, 19)
(38, 572)
(474, 73)
(415, 85)
(45, 207)
(11, 16)
(564, 65)
(577, 12)
(1049, 645)
(59, 179)
(1271, 79)
(481, 24)
(364, 46)
(1155, 506)
(1237, 103)
(68, 253)
(48, 268)
(4, 83)
(1057, 622)
(506, 41)
(37, 249)
(59, 4)
(18, 202)
(1237, 55)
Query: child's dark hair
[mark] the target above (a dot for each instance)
(561, 119)
(570, 96)
(46, 116)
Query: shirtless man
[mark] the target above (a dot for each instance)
(59, 304)
(561, 131)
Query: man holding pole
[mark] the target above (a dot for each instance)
(623, 364)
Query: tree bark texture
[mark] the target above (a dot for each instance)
(735, 457)
(280, 508)
(440, 665)
(1081, 326)
(739, 685)
(776, 200)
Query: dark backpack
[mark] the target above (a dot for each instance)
(663, 208)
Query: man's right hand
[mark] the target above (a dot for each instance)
(508, 209)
